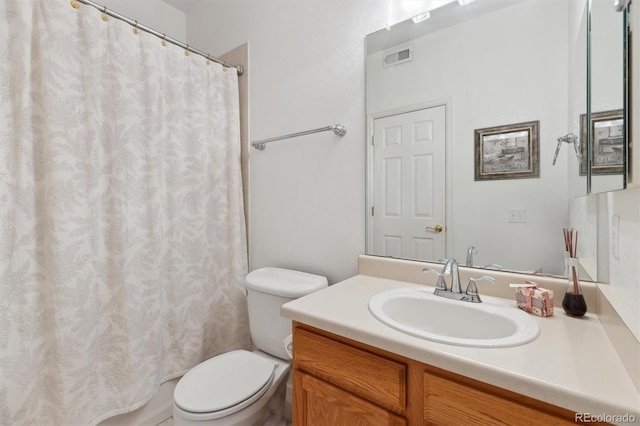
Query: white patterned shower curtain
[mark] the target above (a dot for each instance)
(122, 238)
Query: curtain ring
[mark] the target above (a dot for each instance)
(164, 40)
(186, 51)
(135, 28)
(105, 17)
(75, 4)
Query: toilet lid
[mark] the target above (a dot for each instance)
(223, 381)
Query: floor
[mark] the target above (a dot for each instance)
(270, 422)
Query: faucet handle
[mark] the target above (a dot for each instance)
(472, 289)
(441, 283)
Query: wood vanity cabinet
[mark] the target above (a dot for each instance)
(338, 381)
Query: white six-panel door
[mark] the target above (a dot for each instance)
(409, 185)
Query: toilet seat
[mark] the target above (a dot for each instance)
(224, 384)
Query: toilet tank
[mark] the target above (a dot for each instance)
(267, 290)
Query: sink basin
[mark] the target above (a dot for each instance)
(418, 312)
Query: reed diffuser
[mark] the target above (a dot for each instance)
(573, 302)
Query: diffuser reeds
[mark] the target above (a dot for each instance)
(571, 246)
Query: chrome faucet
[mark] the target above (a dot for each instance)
(451, 268)
(470, 252)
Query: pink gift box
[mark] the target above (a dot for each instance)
(535, 300)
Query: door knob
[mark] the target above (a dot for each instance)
(437, 229)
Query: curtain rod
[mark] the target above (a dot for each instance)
(338, 129)
(164, 37)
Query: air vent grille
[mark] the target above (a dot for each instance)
(397, 56)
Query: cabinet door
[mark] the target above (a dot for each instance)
(317, 403)
(372, 377)
(449, 403)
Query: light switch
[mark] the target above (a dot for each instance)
(517, 215)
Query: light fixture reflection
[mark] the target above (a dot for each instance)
(422, 17)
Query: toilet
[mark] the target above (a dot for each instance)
(235, 388)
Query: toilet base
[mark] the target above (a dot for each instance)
(254, 414)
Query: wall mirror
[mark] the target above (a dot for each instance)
(465, 110)
(607, 147)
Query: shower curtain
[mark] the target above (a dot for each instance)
(122, 237)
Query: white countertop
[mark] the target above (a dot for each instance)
(571, 364)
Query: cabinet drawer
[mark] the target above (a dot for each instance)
(450, 403)
(362, 373)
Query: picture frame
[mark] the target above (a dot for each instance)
(607, 142)
(507, 152)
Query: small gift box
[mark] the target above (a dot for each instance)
(534, 299)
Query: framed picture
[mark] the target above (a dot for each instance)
(607, 144)
(507, 152)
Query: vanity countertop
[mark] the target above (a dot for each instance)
(571, 364)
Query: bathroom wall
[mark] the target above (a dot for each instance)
(307, 61)
(152, 13)
(616, 217)
(307, 194)
(307, 71)
(622, 210)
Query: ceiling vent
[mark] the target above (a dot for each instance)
(397, 56)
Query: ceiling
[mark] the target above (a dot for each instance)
(183, 5)
(444, 16)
